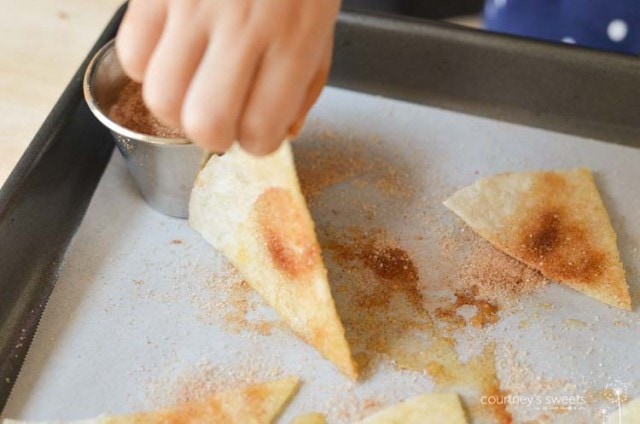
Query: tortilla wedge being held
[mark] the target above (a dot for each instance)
(252, 210)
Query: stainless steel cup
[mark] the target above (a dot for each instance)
(164, 168)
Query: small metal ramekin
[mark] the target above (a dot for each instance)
(164, 168)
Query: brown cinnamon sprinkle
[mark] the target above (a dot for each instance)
(390, 263)
(486, 279)
(486, 273)
(486, 312)
(324, 167)
(395, 271)
(130, 111)
(206, 379)
(239, 305)
(379, 296)
(326, 159)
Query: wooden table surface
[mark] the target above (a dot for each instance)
(43, 43)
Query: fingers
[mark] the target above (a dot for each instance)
(139, 34)
(174, 62)
(276, 97)
(315, 88)
(218, 92)
(246, 70)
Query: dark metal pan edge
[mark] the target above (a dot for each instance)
(41, 206)
(552, 86)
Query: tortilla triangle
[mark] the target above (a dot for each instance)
(254, 404)
(429, 408)
(252, 210)
(554, 222)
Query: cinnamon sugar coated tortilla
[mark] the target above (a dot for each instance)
(252, 210)
(553, 221)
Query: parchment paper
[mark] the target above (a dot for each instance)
(138, 315)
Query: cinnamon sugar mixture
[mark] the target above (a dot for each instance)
(130, 111)
(486, 279)
(483, 270)
(497, 276)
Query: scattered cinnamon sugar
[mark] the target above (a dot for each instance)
(378, 292)
(450, 315)
(395, 271)
(390, 263)
(240, 302)
(482, 277)
(523, 380)
(392, 182)
(486, 312)
(319, 168)
(206, 379)
(487, 273)
(231, 304)
(130, 111)
(369, 406)
(326, 159)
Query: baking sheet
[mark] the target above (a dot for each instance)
(145, 313)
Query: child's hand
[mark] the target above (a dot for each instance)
(226, 70)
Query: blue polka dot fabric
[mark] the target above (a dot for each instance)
(612, 25)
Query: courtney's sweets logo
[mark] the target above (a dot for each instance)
(547, 402)
(615, 395)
